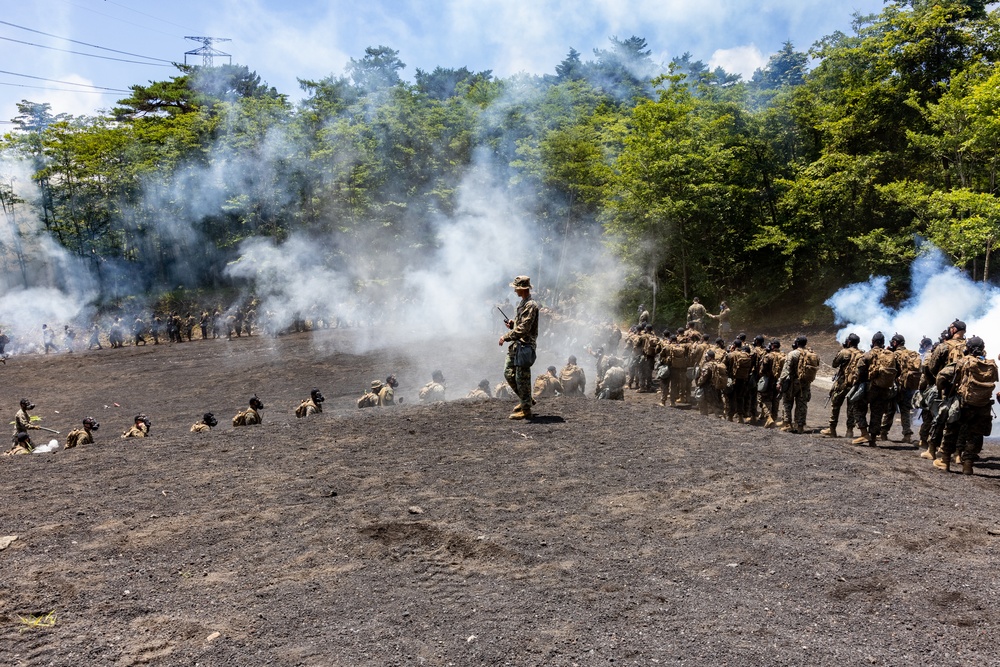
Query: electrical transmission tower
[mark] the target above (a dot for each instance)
(206, 51)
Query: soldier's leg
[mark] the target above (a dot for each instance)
(949, 440)
(801, 408)
(876, 409)
(885, 424)
(508, 374)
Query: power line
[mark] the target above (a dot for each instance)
(110, 16)
(64, 83)
(93, 46)
(81, 53)
(60, 90)
(156, 18)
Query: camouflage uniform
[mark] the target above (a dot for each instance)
(248, 417)
(966, 431)
(308, 407)
(845, 362)
(612, 385)
(879, 397)
(503, 391)
(769, 400)
(796, 392)
(696, 316)
(78, 436)
(433, 391)
(137, 431)
(547, 385)
(524, 330)
(573, 379)
(200, 427)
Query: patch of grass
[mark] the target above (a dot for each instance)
(35, 621)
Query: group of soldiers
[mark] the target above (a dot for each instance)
(950, 382)
(24, 423)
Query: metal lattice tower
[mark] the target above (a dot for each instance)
(206, 51)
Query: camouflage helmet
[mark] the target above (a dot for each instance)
(376, 385)
(521, 282)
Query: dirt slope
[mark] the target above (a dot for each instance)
(600, 533)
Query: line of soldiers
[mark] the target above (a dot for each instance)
(951, 383)
(21, 442)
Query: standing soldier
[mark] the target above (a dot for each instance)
(796, 380)
(845, 363)
(696, 315)
(22, 420)
(909, 380)
(739, 364)
(723, 318)
(49, 339)
(95, 337)
(69, 336)
(523, 337)
(155, 328)
(769, 373)
(948, 351)
(880, 369)
(189, 324)
(82, 436)
(204, 324)
(138, 328)
(968, 385)
(712, 380)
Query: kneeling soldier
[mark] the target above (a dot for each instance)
(208, 421)
(82, 436)
(251, 415)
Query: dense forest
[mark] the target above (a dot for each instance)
(827, 166)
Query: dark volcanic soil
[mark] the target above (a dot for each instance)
(600, 533)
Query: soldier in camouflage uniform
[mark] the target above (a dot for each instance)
(251, 415)
(82, 436)
(968, 386)
(547, 385)
(796, 392)
(696, 315)
(312, 405)
(612, 385)
(880, 369)
(845, 363)
(482, 391)
(948, 351)
(523, 332)
(433, 391)
(387, 394)
(140, 427)
(207, 423)
(769, 398)
(573, 379)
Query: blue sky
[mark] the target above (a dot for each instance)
(289, 39)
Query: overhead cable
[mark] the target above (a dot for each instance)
(60, 90)
(93, 46)
(65, 83)
(81, 53)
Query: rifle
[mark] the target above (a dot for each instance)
(506, 320)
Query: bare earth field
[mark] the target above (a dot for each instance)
(599, 533)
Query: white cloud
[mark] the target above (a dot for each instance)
(741, 60)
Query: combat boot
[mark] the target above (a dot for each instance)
(829, 432)
(930, 453)
(849, 433)
(943, 463)
(862, 433)
(966, 466)
(786, 428)
(884, 436)
(861, 440)
(907, 438)
(770, 423)
(518, 412)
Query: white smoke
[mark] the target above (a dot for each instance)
(940, 294)
(50, 446)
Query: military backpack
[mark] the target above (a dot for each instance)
(808, 366)
(883, 371)
(909, 363)
(975, 387)
(741, 364)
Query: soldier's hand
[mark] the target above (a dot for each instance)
(509, 323)
(501, 341)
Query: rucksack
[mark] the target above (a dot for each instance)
(301, 410)
(720, 378)
(678, 355)
(808, 366)
(975, 388)
(883, 370)
(909, 362)
(849, 371)
(650, 344)
(741, 364)
(369, 400)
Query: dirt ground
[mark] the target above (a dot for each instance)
(599, 533)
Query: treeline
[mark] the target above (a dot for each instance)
(823, 168)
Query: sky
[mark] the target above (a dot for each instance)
(287, 40)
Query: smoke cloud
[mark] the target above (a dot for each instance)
(940, 294)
